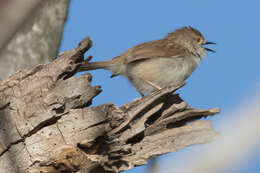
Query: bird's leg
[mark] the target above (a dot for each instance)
(151, 84)
(142, 95)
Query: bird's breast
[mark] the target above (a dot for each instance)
(163, 71)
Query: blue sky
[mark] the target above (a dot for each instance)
(224, 79)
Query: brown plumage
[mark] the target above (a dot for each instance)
(180, 50)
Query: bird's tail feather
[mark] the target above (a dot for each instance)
(94, 65)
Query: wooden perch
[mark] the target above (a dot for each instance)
(46, 125)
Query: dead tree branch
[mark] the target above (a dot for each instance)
(47, 126)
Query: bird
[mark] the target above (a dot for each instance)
(156, 64)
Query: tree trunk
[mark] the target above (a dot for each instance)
(47, 126)
(38, 40)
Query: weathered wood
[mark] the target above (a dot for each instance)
(46, 125)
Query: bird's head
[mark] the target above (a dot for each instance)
(189, 37)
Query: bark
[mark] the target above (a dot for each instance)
(48, 126)
(39, 26)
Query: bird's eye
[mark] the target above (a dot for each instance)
(199, 40)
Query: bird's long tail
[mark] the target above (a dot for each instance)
(95, 65)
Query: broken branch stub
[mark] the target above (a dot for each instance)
(46, 124)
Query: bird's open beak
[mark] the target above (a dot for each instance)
(207, 49)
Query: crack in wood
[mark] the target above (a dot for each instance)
(42, 125)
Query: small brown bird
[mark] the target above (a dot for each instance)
(160, 63)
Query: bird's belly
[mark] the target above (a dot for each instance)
(160, 71)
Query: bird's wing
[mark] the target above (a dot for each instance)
(152, 49)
